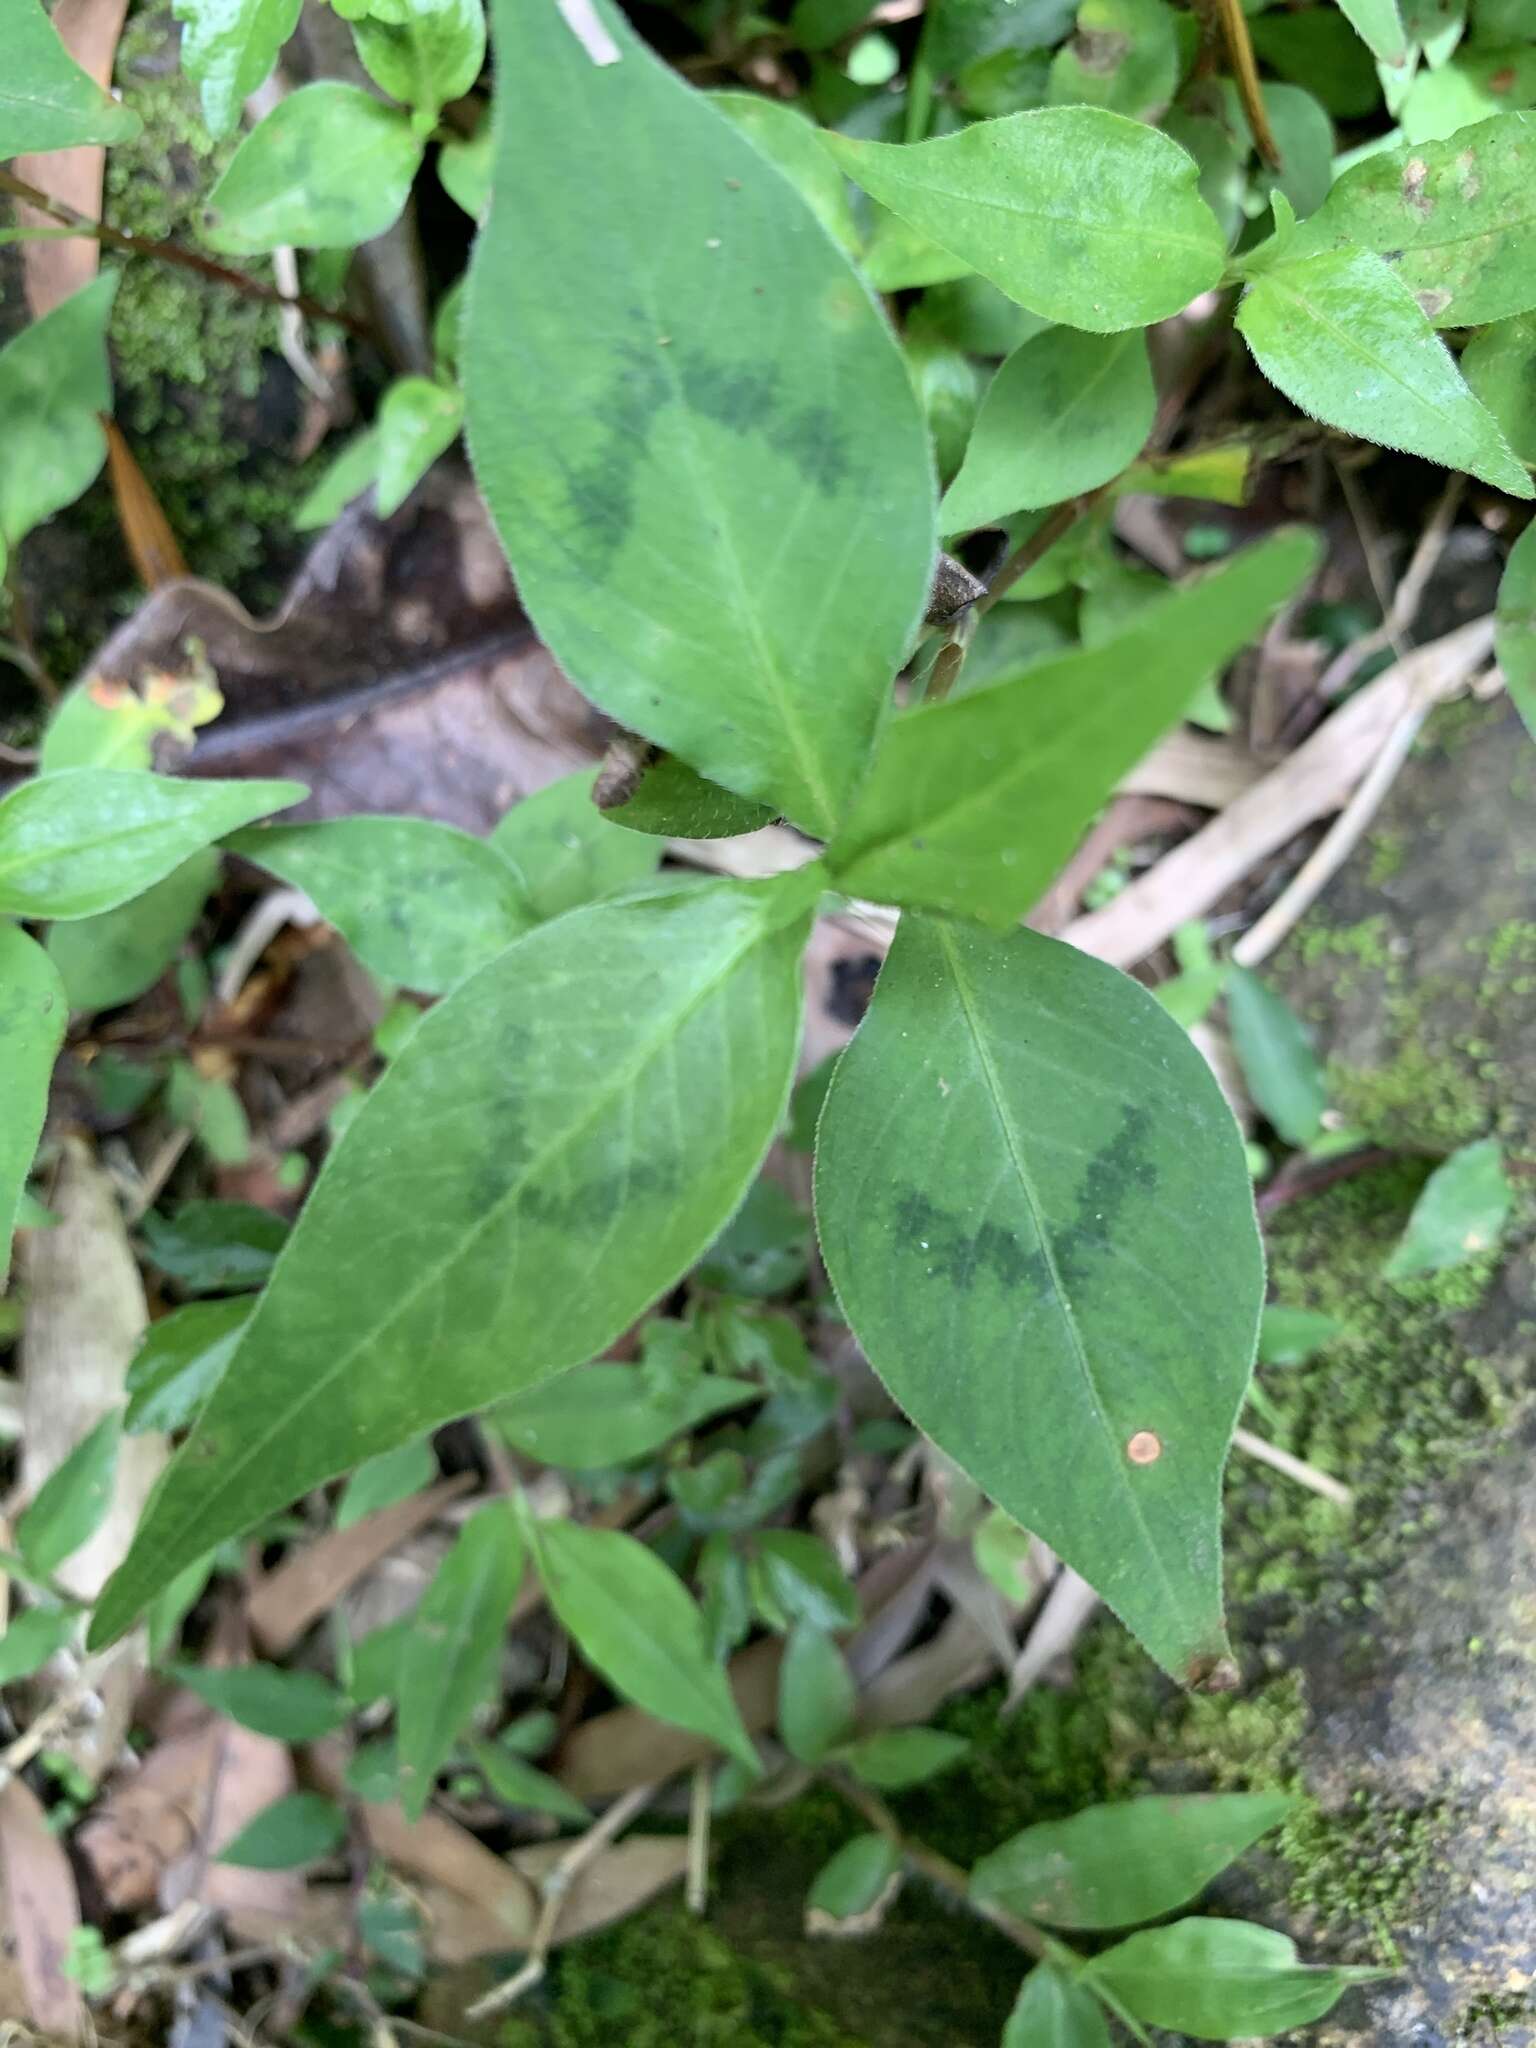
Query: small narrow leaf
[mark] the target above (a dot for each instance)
(607, 1414)
(213, 1247)
(46, 100)
(1379, 25)
(673, 801)
(897, 1757)
(1345, 339)
(228, 49)
(1275, 1049)
(1066, 412)
(1052, 2011)
(451, 1655)
(1081, 215)
(552, 1148)
(72, 1501)
(290, 1706)
(795, 1577)
(180, 1361)
(1112, 1866)
(723, 530)
(521, 1784)
(565, 852)
(86, 839)
(115, 957)
(1076, 1330)
(418, 418)
(1515, 628)
(381, 1481)
(632, 1619)
(299, 1829)
(34, 1012)
(1290, 1336)
(432, 54)
(855, 1881)
(420, 903)
(329, 167)
(29, 1640)
(1220, 1980)
(973, 805)
(1460, 1214)
(817, 1695)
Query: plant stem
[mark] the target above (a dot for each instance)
(1245, 75)
(129, 244)
(1040, 542)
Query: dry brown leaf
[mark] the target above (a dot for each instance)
(152, 546)
(42, 1910)
(618, 1750)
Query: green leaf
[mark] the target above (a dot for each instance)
(791, 144)
(328, 168)
(72, 1501)
(54, 385)
(228, 49)
(565, 852)
(723, 529)
(421, 904)
(213, 1246)
(607, 1414)
(212, 1111)
(1514, 638)
(1066, 412)
(1125, 56)
(46, 100)
(418, 419)
(1052, 2011)
(521, 1784)
(111, 959)
(34, 1012)
(30, 1639)
(1081, 215)
(86, 839)
(1379, 25)
(795, 1578)
(1076, 1328)
(432, 55)
(895, 1758)
(564, 1132)
(390, 1477)
(464, 169)
(673, 801)
(180, 1360)
(817, 1695)
(1500, 366)
(1112, 1866)
(1456, 217)
(1220, 1980)
(634, 1623)
(1290, 1336)
(1459, 1216)
(1274, 1047)
(451, 1657)
(290, 1706)
(1304, 136)
(1345, 339)
(974, 804)
(351, 472)
(856, 1879)
(299, 1829)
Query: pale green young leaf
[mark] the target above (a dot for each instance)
(554, 1145)
(84, 840)
(1052, 2011)
(46, 100)
(431, 55)
(420, 903)
(1379, 25)
(1460, 1214)
(789, 141)
(1076, 1331)
(1219, 1980)
(34, 1011)
(1113, 1866)
(72, 1501)
(180, 1360)
(298, 1829)
(565, 852)
(634, 1623)
(1500, 366)
(796, 1578)
(464, 170)
(854, 1881)
(290, 1706)
(1125, 56)
(381, 1481)
(418, 418)
(451, 1656)
(54, 385)
(817, 1695)
(1345, 339)
(1081, 215)
(351, 472)
(228, 49)
(1515, 627)
(723, 529)
(110, 959)
(516, 1782)
(894, 1758)
(29, 1640)
(673, 801)
(329, 167)
(1066, 412)
(1283, 1072)
(1440, 105)
(1455, 217)
(607, 1414)
(974, 804)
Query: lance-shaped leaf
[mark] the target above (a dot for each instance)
(693, 428)
(1345, 339)
(1219, 1980)
(1081, 215)
(1457, 219)
(33, 1013)
(972, 805)
(1035, 1209)
(555, 1144)
(46, 100)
